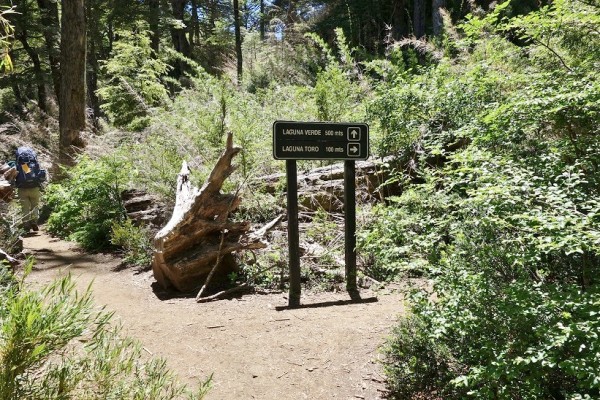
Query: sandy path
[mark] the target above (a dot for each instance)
(256, 348)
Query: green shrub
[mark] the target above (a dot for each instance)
(515, 278)
(135, 242)
(54, 345)
(416, 363)
(132, 86)
(87, 202)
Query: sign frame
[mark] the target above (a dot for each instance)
(343, 141)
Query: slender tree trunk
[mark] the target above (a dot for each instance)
(51, 31)
(419, 18)
(238, 40)
(92, 83)
(399, 20)
(180, 41)
(438, 21)
(37, 70)
(154, 22)
(72, 94)
(262, 19)
(94, 46)
(178, 36)
(195, 26)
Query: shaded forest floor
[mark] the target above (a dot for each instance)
(254, 345)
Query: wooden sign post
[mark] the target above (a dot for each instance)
(320, 141)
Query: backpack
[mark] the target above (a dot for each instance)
(29, 173)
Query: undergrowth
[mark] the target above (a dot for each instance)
(55, 344)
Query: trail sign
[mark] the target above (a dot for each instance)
(320, 141)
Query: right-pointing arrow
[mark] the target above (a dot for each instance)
(353, 149)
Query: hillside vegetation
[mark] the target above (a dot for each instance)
(494, 123)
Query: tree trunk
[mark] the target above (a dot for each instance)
(37, 70)
(51, 30)
(262, 19)
(93, 70)
(419, 18)
(72, 95)
(199, 235)
(238, 40)
(178, 36)
(195, 25)
(153, 23)
(399, 20)
(438, 20)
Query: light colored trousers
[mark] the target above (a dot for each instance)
(30, 204)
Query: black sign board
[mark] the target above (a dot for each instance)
(320, 141)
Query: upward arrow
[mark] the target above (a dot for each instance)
(353, 134)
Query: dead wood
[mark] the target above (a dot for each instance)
(4, 256)
(323, 188)
(143, 209)
(8, 174)
(199, 236)
(222, 293)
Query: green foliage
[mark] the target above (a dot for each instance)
(274, 62)
(337, 95)
(132, 84)
(504, 142)
(408, 236)
(53, 344)
(515, 277)
(10, 228)
(6, 32)
(87, 203)
(134, 241)
(416, 363)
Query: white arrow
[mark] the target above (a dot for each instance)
(353, 149)
(353, 134)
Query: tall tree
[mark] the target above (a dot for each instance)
(33, 73)
(238, 40)
(22, 36)
(153, 23)
(438, 21)
(178, 35)
(419, 18)
(262, 19)
(51, 31)
(72, 87)
(194, 25)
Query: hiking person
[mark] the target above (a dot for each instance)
(28, 183)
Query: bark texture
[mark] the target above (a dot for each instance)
(7, 174)
(72, 86)
(199, 235)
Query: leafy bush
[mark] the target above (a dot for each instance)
(53, 344)
(416, 363)
(516, 294)
(135, 241)
(506, 223)
(132, 84)
(87, 202)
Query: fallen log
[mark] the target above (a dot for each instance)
(323, 187)
(199, 235)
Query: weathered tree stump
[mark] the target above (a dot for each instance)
(199, 236)
(7, 174)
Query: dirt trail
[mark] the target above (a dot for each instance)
(256, 350)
